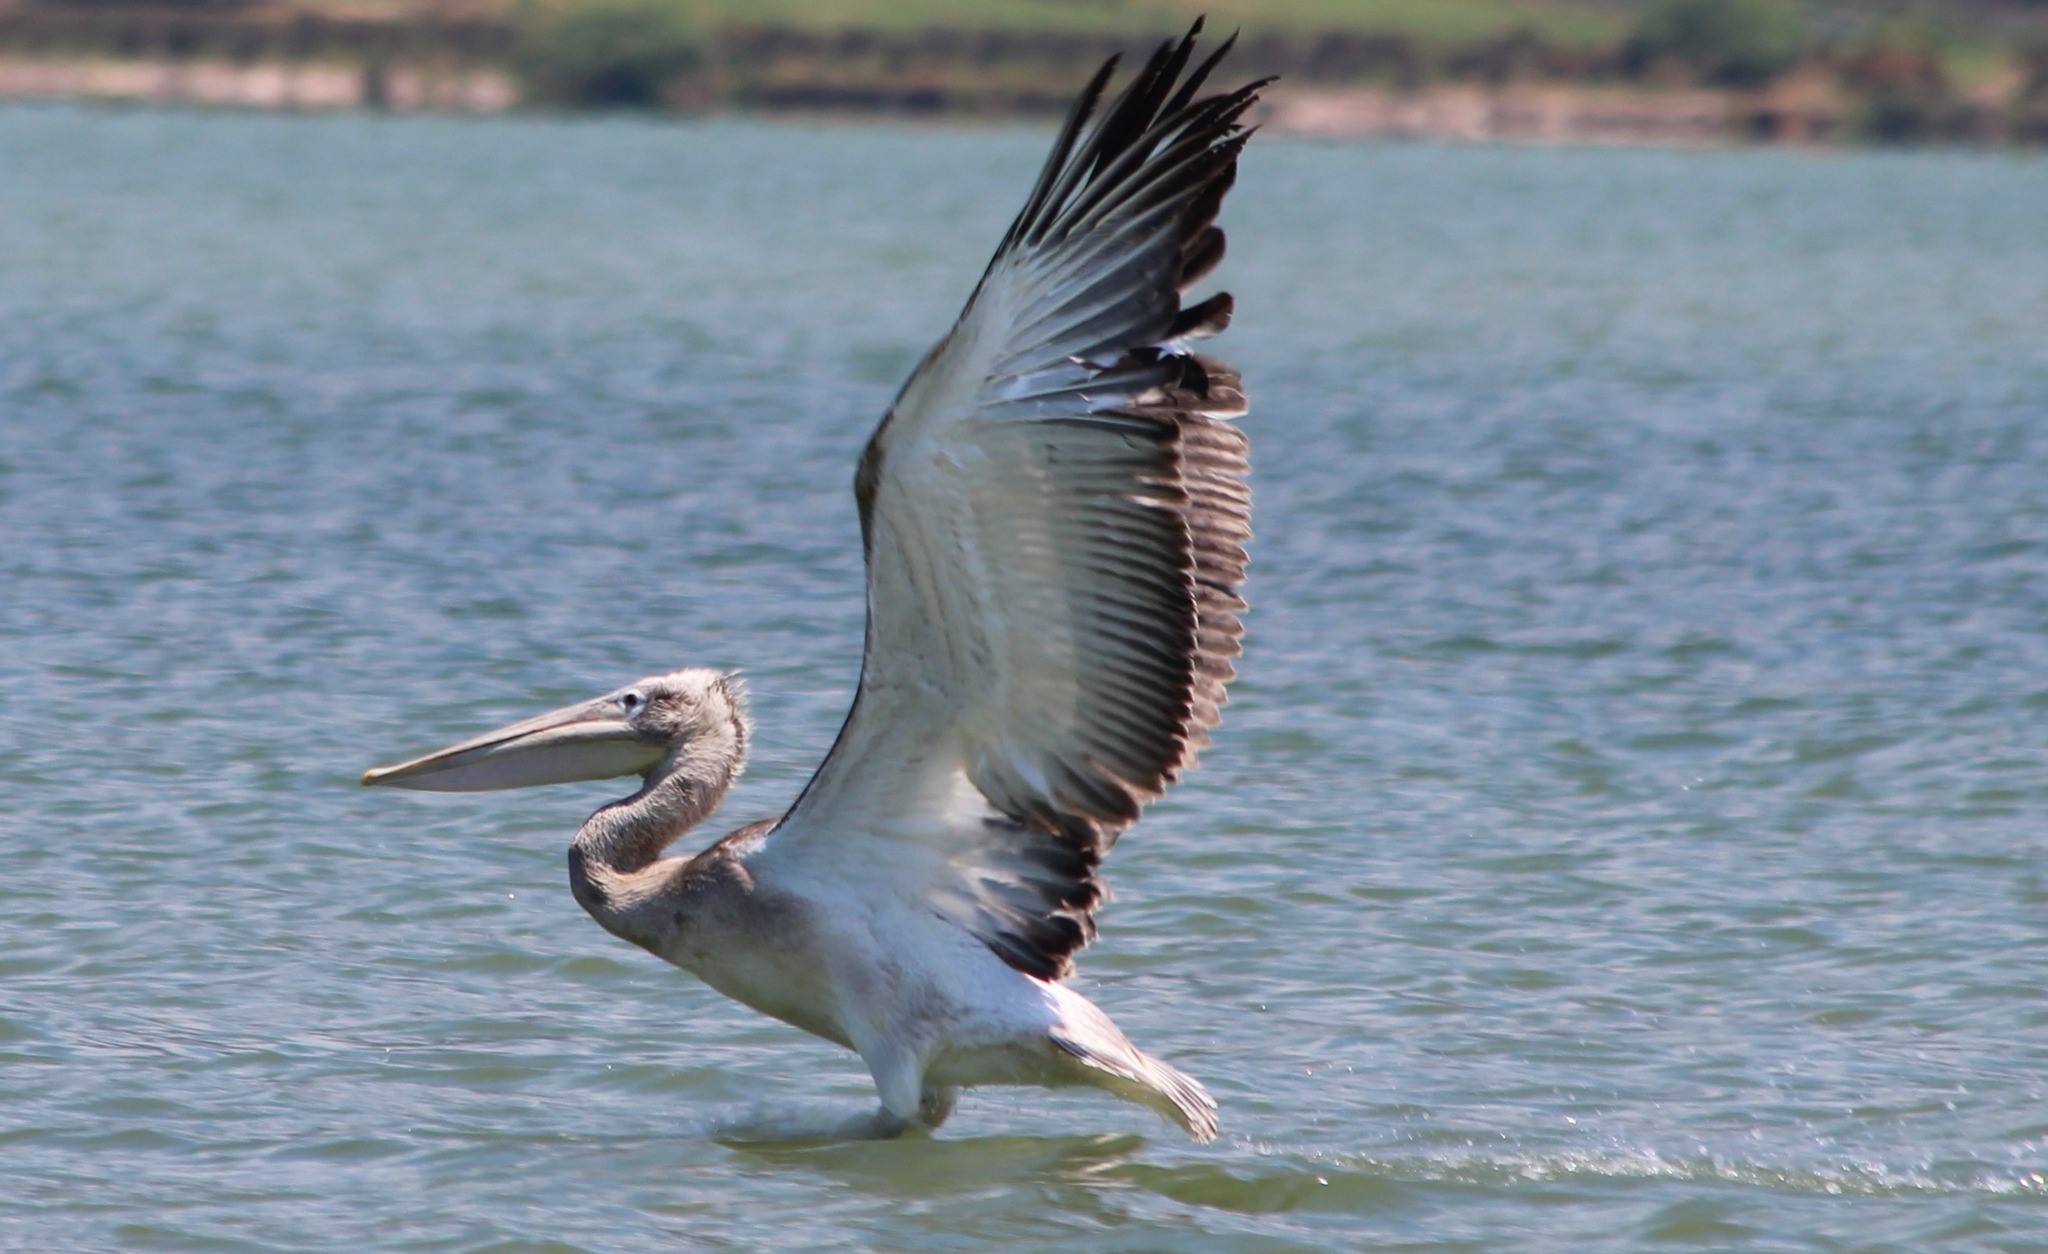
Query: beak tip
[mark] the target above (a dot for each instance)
(372, 776)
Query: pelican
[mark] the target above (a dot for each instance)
(1054, 513)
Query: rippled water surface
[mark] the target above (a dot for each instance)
(1629, 830)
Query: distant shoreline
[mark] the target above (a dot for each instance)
(1533, 113)
(489, 56)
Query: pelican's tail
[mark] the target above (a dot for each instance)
(1181, 1098)
(1113, 1063)
(1108, 1060)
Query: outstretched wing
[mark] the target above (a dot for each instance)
(1054, 512)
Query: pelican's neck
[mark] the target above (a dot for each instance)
(615, 865)
(628, 835)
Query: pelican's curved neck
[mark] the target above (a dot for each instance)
(628, 835)
(616, 870)
(615, 863)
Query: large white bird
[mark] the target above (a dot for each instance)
(1054, 512)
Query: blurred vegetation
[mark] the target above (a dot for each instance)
(2029, 121)
(1904, 93)
(606, 53)
(1436, 25)
(1740, 43)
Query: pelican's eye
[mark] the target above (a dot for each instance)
(631, 702)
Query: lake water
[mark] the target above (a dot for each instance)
(1631, 828)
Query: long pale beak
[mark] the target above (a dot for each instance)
(587, 741)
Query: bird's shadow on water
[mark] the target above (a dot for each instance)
(865, 1153)
(807, 1127)
(850, 1153)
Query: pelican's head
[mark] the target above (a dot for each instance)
(632, 731)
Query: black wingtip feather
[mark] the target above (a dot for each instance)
(1201, 75)
(1070, 130)
(1155, 94)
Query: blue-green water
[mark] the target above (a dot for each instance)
(1629, 831)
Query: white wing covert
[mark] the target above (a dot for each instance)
(1054, 512)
